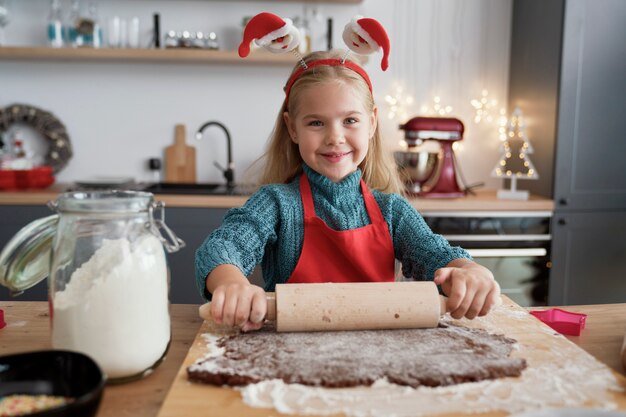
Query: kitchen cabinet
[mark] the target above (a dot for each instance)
(192, 225)
(588, 257)
(575, 90)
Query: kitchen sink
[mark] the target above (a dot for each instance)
(207, 188)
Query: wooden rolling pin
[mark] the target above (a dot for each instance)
(624, 352)
(354, 306)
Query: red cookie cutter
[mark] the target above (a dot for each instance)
(564, 322)
(2, 322)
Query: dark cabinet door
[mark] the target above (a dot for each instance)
(589, 230)
(588, 258)
(12, 219)
(192, 225)
(590, 164)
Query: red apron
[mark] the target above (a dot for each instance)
(364, 254)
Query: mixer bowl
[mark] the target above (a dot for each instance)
(417, 165)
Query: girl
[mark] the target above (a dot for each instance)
(329, 210)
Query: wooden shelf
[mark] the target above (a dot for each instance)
(144, 55)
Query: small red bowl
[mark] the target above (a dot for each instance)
(564, 322)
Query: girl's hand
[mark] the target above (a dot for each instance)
(471, 288)
(235, 301)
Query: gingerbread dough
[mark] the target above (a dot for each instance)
(442, 356)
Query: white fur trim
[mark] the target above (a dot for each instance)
(354, 24)
(293, 44)
(282, 31)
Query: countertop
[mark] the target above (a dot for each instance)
(482, 200)
(28, 329)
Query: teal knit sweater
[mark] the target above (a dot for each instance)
(269, 229)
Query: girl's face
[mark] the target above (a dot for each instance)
(332, 129)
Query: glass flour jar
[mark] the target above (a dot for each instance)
(108, 277)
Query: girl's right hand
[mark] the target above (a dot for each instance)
(235, 301)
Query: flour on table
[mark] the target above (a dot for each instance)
(552, 379)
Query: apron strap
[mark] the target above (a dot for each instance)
(376, 216)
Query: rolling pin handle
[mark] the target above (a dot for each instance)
(205, 311)
(271, 306)
(442, 305)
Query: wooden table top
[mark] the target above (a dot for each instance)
(481, 201)
(28, 329)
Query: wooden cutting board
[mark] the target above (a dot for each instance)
(180, 159)
(536, 340)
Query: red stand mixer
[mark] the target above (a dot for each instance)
(442, 180)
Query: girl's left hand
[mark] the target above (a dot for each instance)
(471, 288)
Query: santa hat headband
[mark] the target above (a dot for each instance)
(333, 62)
(361, 35)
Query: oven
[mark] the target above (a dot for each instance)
(514, 245)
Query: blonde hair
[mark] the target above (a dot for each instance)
(282, 157)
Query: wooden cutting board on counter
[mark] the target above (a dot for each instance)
(550, 357)
(180, 159)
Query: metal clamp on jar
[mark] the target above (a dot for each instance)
(108, 278)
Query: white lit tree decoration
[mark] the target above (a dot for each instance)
(514, 162)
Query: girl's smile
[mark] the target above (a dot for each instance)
(335, 157)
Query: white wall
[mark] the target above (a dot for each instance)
(120, 114)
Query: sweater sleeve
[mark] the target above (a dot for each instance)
(417, 247)
(240, 240)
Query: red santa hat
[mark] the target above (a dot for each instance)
(374, 34)
(263, 29)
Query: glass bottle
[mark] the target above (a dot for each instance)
(171, 40)
(96, 34)
(93, 31)
(55, 25)
(73, 37)
(212, 42)
(317, 30)
(305, 41)
(108, 278)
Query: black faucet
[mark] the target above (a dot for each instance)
(228, 172)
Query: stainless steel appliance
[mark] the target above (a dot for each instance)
(514, 245)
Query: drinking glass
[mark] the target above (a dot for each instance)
(5, 6)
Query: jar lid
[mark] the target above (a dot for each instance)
(25, 259)
(109, 201)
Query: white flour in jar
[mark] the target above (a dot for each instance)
(115, 307)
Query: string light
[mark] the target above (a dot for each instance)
(400, 104)
(437, 108)
(484, 107)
